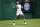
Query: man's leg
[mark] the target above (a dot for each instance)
(15, 19)
(24, 18)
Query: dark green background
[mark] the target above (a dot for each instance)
(7, 12)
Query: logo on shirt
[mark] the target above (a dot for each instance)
(26, 6)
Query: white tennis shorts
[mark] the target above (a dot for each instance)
(19, 13)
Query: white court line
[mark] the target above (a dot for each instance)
(18, 26)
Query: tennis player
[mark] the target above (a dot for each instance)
(19, 12)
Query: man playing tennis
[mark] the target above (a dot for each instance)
(19, 12)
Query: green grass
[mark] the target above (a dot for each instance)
(19, 23)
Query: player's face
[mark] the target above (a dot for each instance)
(17, 2)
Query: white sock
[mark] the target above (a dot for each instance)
(24, 20)
(14, 21)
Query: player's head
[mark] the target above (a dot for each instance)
(17, 2)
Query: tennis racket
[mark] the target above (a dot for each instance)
(13, 5)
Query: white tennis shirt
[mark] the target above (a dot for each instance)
(19, 7)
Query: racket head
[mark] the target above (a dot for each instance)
(13, 5)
